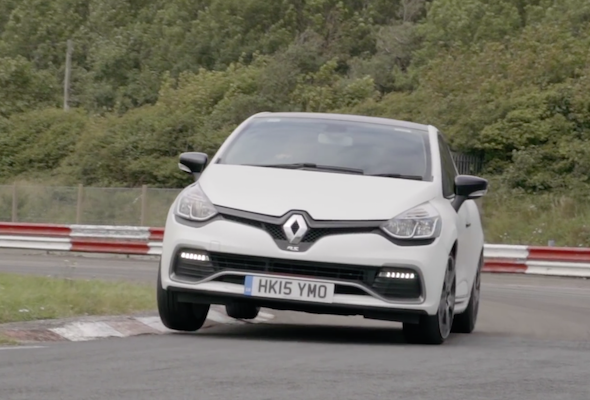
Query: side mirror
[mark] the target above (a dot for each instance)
(193, 163)
(468, 187)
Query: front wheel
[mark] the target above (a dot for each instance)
(435, 329)
(179, 316)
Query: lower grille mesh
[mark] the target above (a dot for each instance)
(193, 270)
(320, 270)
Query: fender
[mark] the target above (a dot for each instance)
(449, 238)
(449, 234)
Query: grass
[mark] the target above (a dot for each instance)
(528, 219)
(27, 298)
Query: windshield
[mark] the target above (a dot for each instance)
(371, 148)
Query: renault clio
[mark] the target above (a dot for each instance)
(329, 214)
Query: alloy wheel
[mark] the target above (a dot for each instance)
(446, 308)
(476, 292)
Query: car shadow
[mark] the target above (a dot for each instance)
(324, 334)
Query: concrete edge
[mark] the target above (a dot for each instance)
(85, 328)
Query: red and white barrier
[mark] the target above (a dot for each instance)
(83, 231)
(538, 260)
(137, 240)
(82, 238)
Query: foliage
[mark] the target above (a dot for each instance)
(508, 80)
(22, 88)
(36, 142)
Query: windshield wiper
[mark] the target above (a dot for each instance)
(401, 176)
(312, 166)
(336, 169)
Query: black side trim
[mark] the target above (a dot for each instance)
(318, 228)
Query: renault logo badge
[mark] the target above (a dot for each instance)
(295, 228)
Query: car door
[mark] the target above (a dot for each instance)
(463, 262)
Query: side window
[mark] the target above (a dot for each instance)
(449, 172)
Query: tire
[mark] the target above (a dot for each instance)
(242, 311)
(435, 329)
(177, 316)
(465, 322)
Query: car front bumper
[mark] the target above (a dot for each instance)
(237, 248)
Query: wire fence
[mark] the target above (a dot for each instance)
(468, 164)
(85, 205)
(109, 206)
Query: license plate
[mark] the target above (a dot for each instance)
(292, 289)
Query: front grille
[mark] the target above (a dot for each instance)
(312, 235)
(302, 268)
(193, 270)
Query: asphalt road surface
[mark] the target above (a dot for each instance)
(532, 342)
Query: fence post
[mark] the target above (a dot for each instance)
(143, 204)
(14, 203)
(79, 203)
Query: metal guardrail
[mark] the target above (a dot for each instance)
(138, 240)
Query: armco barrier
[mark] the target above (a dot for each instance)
(82, 238)
(137, 240)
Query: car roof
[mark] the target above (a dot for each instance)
(346, 117)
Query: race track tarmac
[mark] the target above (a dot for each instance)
(532, 342)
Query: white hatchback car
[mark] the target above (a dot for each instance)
(329, 214)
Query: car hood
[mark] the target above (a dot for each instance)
(324, 195)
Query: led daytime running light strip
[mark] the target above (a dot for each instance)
(194, 256)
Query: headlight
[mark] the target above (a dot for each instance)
(421, 222)
(193, 204)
